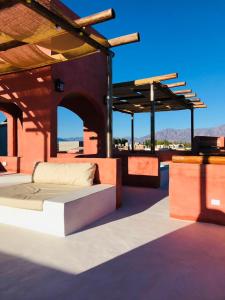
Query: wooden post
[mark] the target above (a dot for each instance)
(192, 128)
(132, 132)
(109, 134)
(152, 99)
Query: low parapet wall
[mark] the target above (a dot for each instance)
(9, 164)
(197, 189)
(140, 169)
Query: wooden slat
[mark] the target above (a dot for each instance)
(199, 103)
(218, 160)
(182, 92)
(176, 84)
(195, 99)
(190, 95)
(156, 78)
(200, 106)
(125, 39)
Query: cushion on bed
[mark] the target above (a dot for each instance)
(32, 195)
(81, 174)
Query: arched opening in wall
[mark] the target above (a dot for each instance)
(93, 120)
(11, 131)
(3, 135)
(69, 131)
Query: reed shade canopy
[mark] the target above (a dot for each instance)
(135, 96)
(39, 33)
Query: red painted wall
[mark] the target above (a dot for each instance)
(33, 94)
(192, 188)
(30, 96)
(12, 164)
(140, 169)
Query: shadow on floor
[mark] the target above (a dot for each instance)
(186, 264)
(135, 200)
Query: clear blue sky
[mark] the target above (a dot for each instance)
(186, 36)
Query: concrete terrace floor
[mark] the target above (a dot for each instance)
(136, 253)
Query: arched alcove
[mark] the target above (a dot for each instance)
(93, 122)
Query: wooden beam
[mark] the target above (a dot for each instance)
(218, 160)
(155, 78)
(125, 39)
(200, 106)
(176, 84)
(10, 45)
(146, 80)
(97, 18)
(195, 99)
(7, 3)
(190, 95)
(199, 103)
(182, 92)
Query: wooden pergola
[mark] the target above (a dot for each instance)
(151, 95)
(37, 33)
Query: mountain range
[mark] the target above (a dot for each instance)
(183, 135)
(170, 134)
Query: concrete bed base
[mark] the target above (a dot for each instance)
(62, 216)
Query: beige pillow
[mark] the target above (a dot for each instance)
(81, 174)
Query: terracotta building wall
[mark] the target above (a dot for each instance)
(33, 94)
(197, 192)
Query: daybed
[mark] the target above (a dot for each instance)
(59, 199)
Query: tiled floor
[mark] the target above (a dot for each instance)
(138, 252)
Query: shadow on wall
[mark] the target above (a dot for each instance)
(11, 90)
(179, 265)
(216, 188)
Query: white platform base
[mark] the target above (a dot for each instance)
(62, 216)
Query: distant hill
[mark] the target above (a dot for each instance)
(183, 135)
(173, 135)
(70, 139)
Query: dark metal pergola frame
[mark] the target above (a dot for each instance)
(152, 97)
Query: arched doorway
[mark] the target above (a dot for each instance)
(93, 122)
(69, 131)
(11, 129)
(3, 134)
